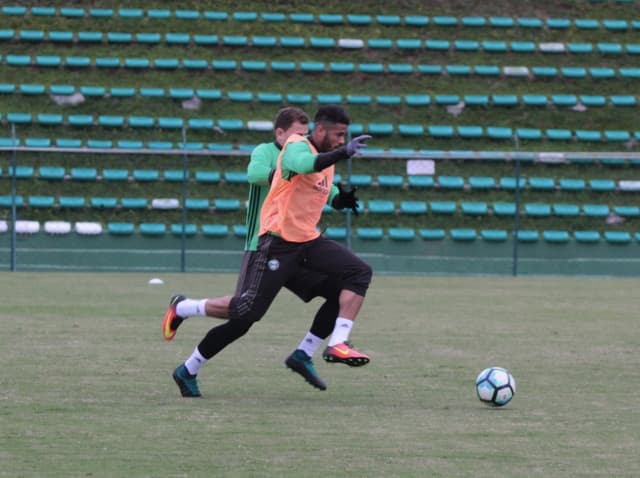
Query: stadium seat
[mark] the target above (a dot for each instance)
(115, 174)
(463, 234)
(215, 230)
(537, 209)
(413, 207)
(134, 203)
(494, 235)
(482, 182)
(390, 181)
(401, 233)
(569, 184)
(369, 233)
(432, 234)
(197, 204)
(420, 181)
(443, 207)
(145, 175)
(474, 208)
(595, 210)
(84, 174)
(152, 229)
(617, 237)
(556, 236)
(103, 202)
(51, 173)
(379, 206)
(503, 208)
(566, 210)
(587, 237)
(525, 235)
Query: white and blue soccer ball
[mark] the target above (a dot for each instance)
(495, 386)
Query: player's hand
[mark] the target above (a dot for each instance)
(356, 144)
(346, 199)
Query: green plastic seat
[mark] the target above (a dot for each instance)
(51, 173)
(103, 202)
(617, 237)
(627, 211)
(463, 234)
(570, 184)
(596, 210)
(380, 206)
(413, 208)
(369, 233)
(474, 208)
(503, 208)
(175, 175)
(443, 207)
(215, 230)
(566, 210)
(140, 122)
(71, 202)
(451, 182)
(115, 174)
(482, 182)
(390, 181)
(197, 204)
(336, 233)
(494, 235)
(40, 202)
(586, 237)
(152, 229)
(432, 234)
(186, 229)
(401, 234)
(145, 175)
(90, 37)
(526, 235)
(471, 132)
(84, 174)
(120, 228)
(556, 236)
(537, 209)
(420, 181)
(226, 204)
(235, 177)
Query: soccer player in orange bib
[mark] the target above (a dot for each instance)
(290, 246)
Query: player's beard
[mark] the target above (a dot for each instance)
(325, 146)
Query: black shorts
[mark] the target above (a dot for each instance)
(302, 267)
(307, 285)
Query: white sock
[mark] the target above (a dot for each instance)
(310, 344)
(340, 331)
(194, 362)
(189, 307)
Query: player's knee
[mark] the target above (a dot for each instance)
(245, 309)
(358, 278)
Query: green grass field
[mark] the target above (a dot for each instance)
(86, 385)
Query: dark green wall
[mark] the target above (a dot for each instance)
(156, 254)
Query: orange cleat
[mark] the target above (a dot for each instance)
(172, 320)
(345, 353)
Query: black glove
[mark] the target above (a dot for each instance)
(346, 199)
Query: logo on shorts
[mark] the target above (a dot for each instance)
(273, 264)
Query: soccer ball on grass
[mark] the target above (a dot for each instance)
(495, 386)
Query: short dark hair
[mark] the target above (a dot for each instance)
(333, 114)
(289, 115)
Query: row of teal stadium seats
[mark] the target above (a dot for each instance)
(376, 206)
(338, 233)
(323, 19)
(184, 39)
(498, 100)
(142, 63)
(102, 202)
(237, 125)
(445, 182)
